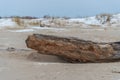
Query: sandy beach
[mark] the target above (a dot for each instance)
(59, 40)
(17, 62)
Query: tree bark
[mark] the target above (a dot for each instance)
(73, 49)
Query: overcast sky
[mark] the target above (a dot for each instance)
(71, 8)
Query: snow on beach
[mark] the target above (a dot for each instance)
(7, 23)
(89, 20)
(22, 30)
(10, 24)
(48, 24)
(31, 29)
(115, 19)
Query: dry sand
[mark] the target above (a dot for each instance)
(22, 63)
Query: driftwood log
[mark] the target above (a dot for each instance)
(73, 49)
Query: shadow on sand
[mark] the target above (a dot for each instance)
(44, 58)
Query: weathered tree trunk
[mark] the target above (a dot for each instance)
(73, 49)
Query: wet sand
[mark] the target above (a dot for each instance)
(17, 62)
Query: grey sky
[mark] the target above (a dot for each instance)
(72, 8)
